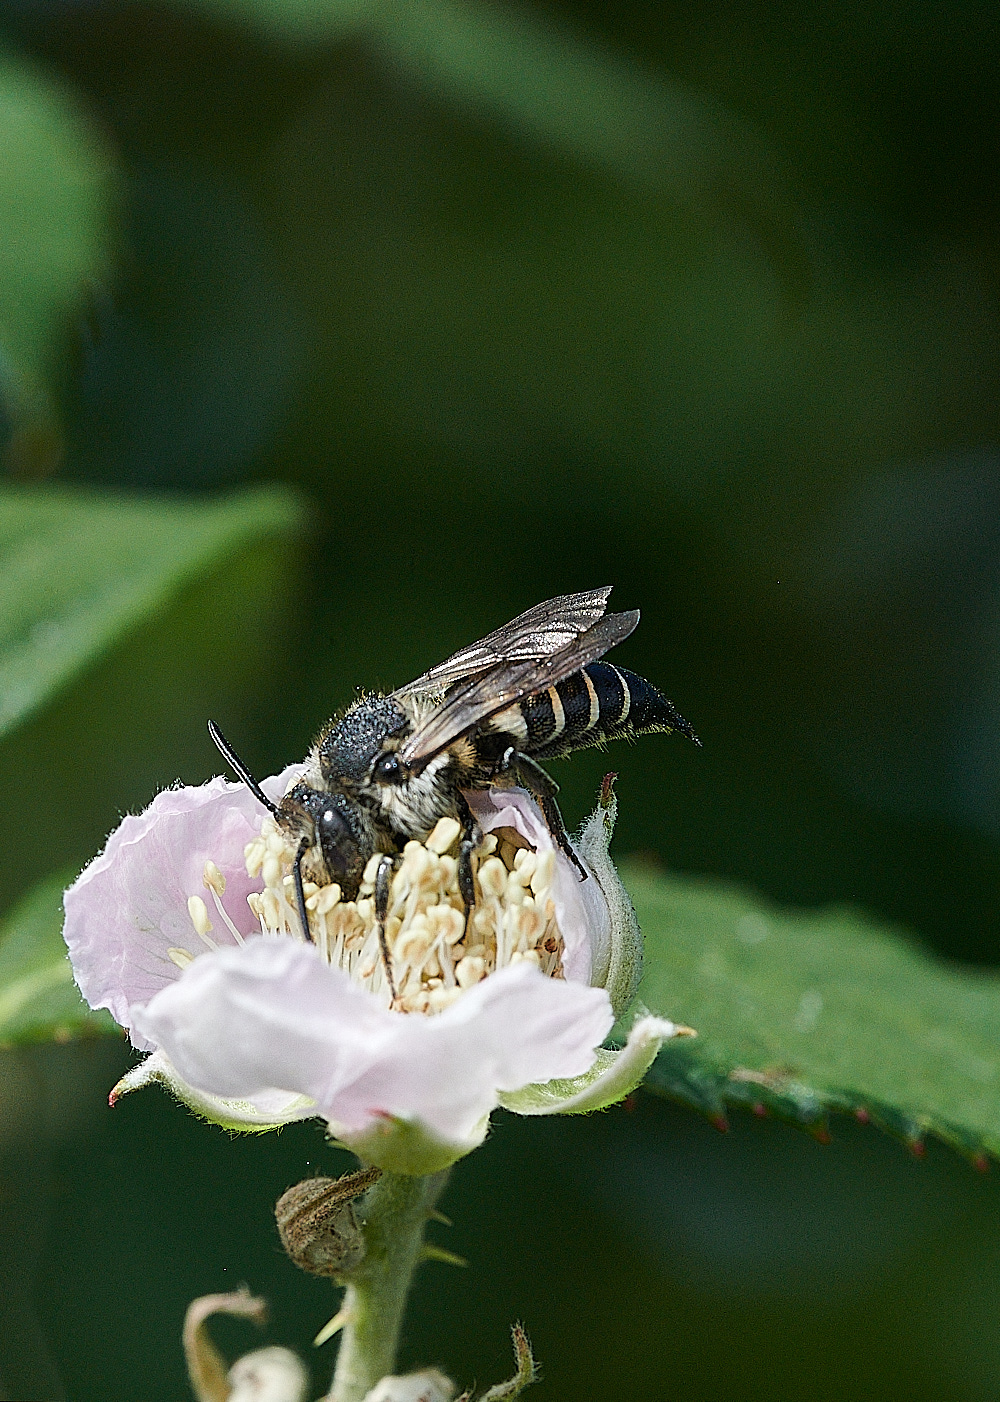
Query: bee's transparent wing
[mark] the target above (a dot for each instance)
(543, 630)
(469, 702)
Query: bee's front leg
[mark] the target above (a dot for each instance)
(544, 788)
(383, 884)
(472, 836)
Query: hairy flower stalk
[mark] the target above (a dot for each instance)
(396, 1212)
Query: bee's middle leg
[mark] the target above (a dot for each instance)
(472, 836)
(544, 788)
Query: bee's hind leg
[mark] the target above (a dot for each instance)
(472, 836)
(544, 788)
(383, 884)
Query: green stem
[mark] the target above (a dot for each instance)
(395, 1212)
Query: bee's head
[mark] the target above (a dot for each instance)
(351, 746)
(334, 830)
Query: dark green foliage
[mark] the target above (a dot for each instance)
(804, 1013)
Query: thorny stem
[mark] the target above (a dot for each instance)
(395, 1210)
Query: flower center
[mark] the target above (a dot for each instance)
(435, 951)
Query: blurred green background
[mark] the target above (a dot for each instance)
(700, 300)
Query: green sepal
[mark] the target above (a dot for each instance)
(240, 1116)
(613, 1076)
(408, 1147)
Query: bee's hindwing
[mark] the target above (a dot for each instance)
(531, 654)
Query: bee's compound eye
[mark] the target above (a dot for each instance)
(387, 769)
(341, 852)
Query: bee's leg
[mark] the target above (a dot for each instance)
(544, 788)
(472, 836)
(383, 882)
(300, 895)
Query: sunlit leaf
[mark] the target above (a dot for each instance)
(800, 1013)
(38, 998)
(79, 569)
(54, 228)
(125, 623)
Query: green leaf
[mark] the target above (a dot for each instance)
(54, 229)
(38, 998)
(125, 623)
(800, 1013)
(79, 570)
(546, 82)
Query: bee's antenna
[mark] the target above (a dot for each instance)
(239, 768)
(300, 895)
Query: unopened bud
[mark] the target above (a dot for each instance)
(317, 1224)
(268, 1375)
(427, 1386)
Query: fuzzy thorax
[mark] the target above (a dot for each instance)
(435, 952)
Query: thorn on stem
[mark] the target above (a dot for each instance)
(331, 1327)
(438, 1253)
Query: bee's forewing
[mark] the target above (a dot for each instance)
(540, 632)
(512, 679)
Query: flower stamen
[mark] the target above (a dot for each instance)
(198, 912)
(436, 952)
(214, 881)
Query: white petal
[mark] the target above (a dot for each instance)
(273, 1016)
(129, 907)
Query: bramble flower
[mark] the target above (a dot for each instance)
(186, 929)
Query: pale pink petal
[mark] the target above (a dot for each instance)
(241, 1023)
(129, 906)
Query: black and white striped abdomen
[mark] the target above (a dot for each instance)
(600, 702)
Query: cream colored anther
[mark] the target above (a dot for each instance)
(254, 853)
(270, 910)
(198, 912)
(447, 923)
(213, 880)
(442, 998)
(530, 923)
(515, 890)
(418, 861)
(493, 877)
(544, 873)
(444, 835)
(469, 970)
(414, 946)
(322, 899)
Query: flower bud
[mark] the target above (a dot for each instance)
(317, 1225)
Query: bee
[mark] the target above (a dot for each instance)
(391, 766)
